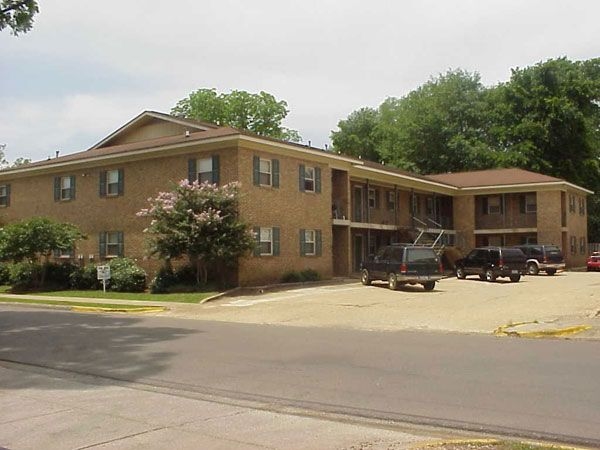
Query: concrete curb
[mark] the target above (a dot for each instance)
(136, 309)
(473, 444)
(505, 330)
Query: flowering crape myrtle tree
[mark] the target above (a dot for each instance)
(199, 221)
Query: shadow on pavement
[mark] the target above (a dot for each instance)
(108, 345)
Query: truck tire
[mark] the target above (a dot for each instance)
(532, 268)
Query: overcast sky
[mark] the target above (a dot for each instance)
(86, 68)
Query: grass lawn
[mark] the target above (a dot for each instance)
(187, 297)
(75, 304)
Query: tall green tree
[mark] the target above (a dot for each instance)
(199, 221)
(357, 135)
(17, 15)
(259, 113)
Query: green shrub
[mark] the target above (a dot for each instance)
(310, 275)
(291, 277)
(126, 276)
(58, 276)
(4, 273)
(85, 278)
(24, 276)
(297, 277)
(164, 279)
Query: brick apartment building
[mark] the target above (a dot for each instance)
(310, 208)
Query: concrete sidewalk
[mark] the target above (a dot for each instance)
(52, 410)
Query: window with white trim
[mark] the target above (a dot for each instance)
(582, 206)
(110, 244)
(204, 170)
(573, 245)
(582, 246)
(64, 188)
(530, 203)
(112, 182)
(309, 179)
(310, 242)
(265, 172)
(5, 195)
(266, 241)
(373, 198)
(572, 203)
(494, 205)
(391, 200)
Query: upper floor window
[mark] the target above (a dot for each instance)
(492, 204)
(110, 244)
(373, 198)
(582, 246)
(310, 243)
(111, 183)
(528, 203)
(265, 172)
(582, 206)
(429, 206)
(572, 207)
(64, 188)
(5, 195)
(204, 170)
(310, 179)
(391, 200)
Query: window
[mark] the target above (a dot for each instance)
(265, 172)
(582, 246)
(415, 204)
(64, 254)
(5, 195)
(204, 170)
(111, 244)
(573, 245)
(310, 243)
(530, 203)
(111, 183)
(373, 198)
(64, 188)
(310, 179)
(494, 205)
(429, 206)
(571, 203)
(267, 241)
(391, 200)
(582, 206)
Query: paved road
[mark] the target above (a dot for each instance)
(532, 388)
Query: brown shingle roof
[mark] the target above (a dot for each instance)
(133, 146)
(494, 177)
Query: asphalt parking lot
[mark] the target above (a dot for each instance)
(467, 306)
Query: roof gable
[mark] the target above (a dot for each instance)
(150, 125)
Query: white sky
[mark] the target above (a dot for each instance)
(87, 67)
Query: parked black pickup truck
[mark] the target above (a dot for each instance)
(493, 262)
(400, 264)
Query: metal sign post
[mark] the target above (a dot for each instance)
(103, 274)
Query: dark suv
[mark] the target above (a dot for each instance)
(493, 262)
(542, 257)
(400, 264)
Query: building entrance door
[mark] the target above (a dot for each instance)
(358, 251)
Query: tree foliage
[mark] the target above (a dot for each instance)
(199, 221)
(36, 238)
(259, 113)
(17, 15)
(357, 134)
(545, 118)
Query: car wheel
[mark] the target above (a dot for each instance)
(365, 277)
(429, 285)
(515, 278)
(392, 281)
(460, 273)
(489, 275)
(532, 269)
(551, 271)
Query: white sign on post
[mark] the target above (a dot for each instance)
(103, 274)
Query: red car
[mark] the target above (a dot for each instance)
(593, 262)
